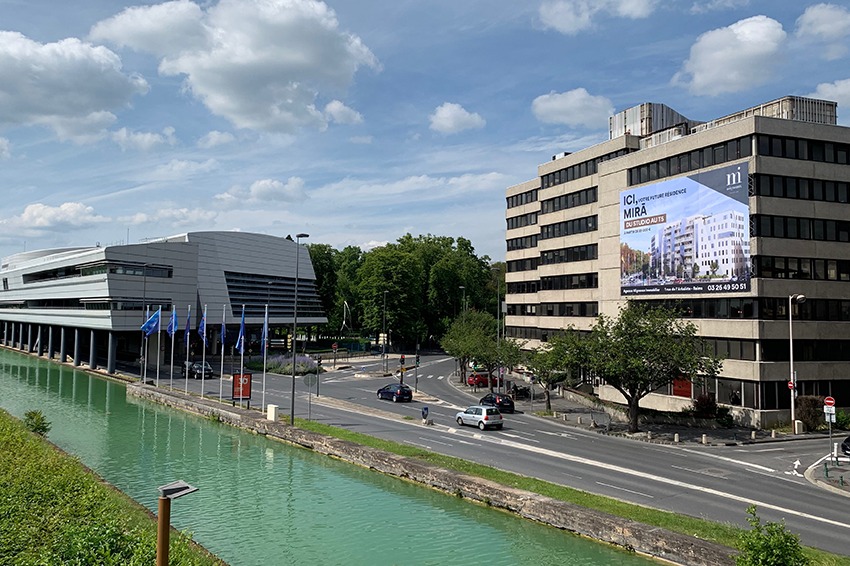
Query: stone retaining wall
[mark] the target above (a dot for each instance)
(653, 541)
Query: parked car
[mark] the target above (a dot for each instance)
(198, 370)
(845, 446)
(480, 416)
(502, 402)
(186, 368)
(480, 380)
(396, 392)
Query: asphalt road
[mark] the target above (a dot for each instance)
(714, 482)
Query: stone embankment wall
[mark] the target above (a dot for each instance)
(673, 547)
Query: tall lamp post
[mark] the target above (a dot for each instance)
(384, 340)
(792, 300)
(294, 327)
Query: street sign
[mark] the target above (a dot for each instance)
(829, 401)
(790, 385)
(828, 410)
(335, 346)
(830, 418)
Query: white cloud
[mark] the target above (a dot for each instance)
(264, 191)
(451, 118)
(826, 23)
(839, 91)
(261, 64)
(735, 58)
(5, 149)
(181, 168)
(338, 112)
(143, 141)
(717, 5)
(572, 16)
(40, 217)
(573, 108)
(361, 140)
(215, 138)
(68, 86)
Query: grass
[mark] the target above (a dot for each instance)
(722, 533)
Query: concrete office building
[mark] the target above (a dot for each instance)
(88, 303)
(724, 219)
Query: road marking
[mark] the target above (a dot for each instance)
(762, 450)
(435, 441)
(560, 434)
(624, 489)
(725, 459)
(520, 436)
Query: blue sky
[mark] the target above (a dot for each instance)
(357, 121)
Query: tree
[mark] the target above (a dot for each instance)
(769, 545)
(322, 258)
(468, 338)
(644, 349)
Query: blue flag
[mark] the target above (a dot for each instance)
(240, 341)
(265, 336)
(151, 325)
(172, 324)
(202, 327)
(188, 325)
(223, 330)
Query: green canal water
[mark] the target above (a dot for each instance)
(261, 502)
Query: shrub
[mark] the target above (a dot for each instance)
(809, 409)
(768, 545)
(35, 422)
(842, 420)
(724, 417)
(705, 407)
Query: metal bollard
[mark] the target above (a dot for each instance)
(649, 435)
(841, 481)
(676, 438)
(753, 435)
(773, 433)
(578, 420)
(705, 439)
(825, 470)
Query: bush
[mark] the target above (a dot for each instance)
(809, 409)
(35, 422)
(705, 407)
(842, 420)
(768, 545)
(724, 417)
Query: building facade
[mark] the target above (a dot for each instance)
(89, 303)
(725, 220)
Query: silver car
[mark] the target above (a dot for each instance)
(480, 416)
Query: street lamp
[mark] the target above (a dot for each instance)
(384, 340)
(167, 492)
(294, 325)
(792, 299)
(463, 300)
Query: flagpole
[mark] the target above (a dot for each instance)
(186, 340)
(158, 341)
(203, 351)
(173, 332)
(242, 350)
(223, 334)
(145, 356)
(265, 346)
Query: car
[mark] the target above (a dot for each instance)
(396, 392)
(480, 380)
(845, 446)
(201, 370)
(480, 416)
(186, 368)
(502, 402)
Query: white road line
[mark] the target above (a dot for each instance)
(762, 450)
(725, 459)
(520, 436)
(624, 489)
(435, 441)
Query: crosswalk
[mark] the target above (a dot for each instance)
(351, 374)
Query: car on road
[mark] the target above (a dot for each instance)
(845, 446)
(197, 370)
(502, 402)
(479, 379)
(480, 416)
(396, 392)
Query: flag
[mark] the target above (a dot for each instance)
(172, 324)
(240, 341)
(223, 329)
(188, 325)
(202, 327)
(264, 339)
(151, 325)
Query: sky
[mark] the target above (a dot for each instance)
(357, 121)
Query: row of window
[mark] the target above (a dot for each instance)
(555, 309)
(522, 198)
(804, 149)
(568, 227)
(692, 160)
(800, 188)
(528, 264)
(772, 267)
(522, 287)
(566, 282)
(568, 255)
(794, 228)
(569, 200)
(523, 243)
(578, 170)
(522, 220)
(759, 308)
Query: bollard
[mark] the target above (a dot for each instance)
(705, 439)
(753, 435)
(565, 417)
(825, 470)
(649, 435)
(773, 433)
(271, 412)
(676, 438)
(841, 481)
(578, 420)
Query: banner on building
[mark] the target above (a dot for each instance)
(687, 235)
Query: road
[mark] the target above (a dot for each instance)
(713, 482)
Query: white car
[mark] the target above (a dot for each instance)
(481, 416)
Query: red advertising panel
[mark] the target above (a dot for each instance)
(241, 386)
(681, 387)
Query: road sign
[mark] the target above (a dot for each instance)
(790, 385)
(829, 401)
(335, 346)
(828, 410)
(830, 418)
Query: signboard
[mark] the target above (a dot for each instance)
(687, 235)
(241, 386)
(335, 347)
(829, 401)
(830, 418)
(681, 387)
(790, 385)
(828, 410)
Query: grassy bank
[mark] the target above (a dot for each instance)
(724, 534)
(53, 510)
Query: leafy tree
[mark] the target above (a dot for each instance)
(468, 338)
(560, 359)
(644, 349)
(37, 423)
(347, 266)
(322, 258)
(768, 545)
(809, 410)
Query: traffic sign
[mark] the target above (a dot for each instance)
(829, 401)
(829, 410)
(790, 385)
(830, 418)
(335, 346)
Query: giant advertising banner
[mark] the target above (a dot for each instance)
(687, 235)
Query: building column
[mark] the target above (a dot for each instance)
(21, 344)
(6, 333)
(39, 342)
(12, 343)
(63, 355)
(110, 356)
(50, 342)
(76, 346)
(93, 351)
(29, 338)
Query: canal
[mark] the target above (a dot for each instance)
(261, 502)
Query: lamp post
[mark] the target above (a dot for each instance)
(792, 300)
(294, 326)
(384, 332)
(167, 492)
(463, 300)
